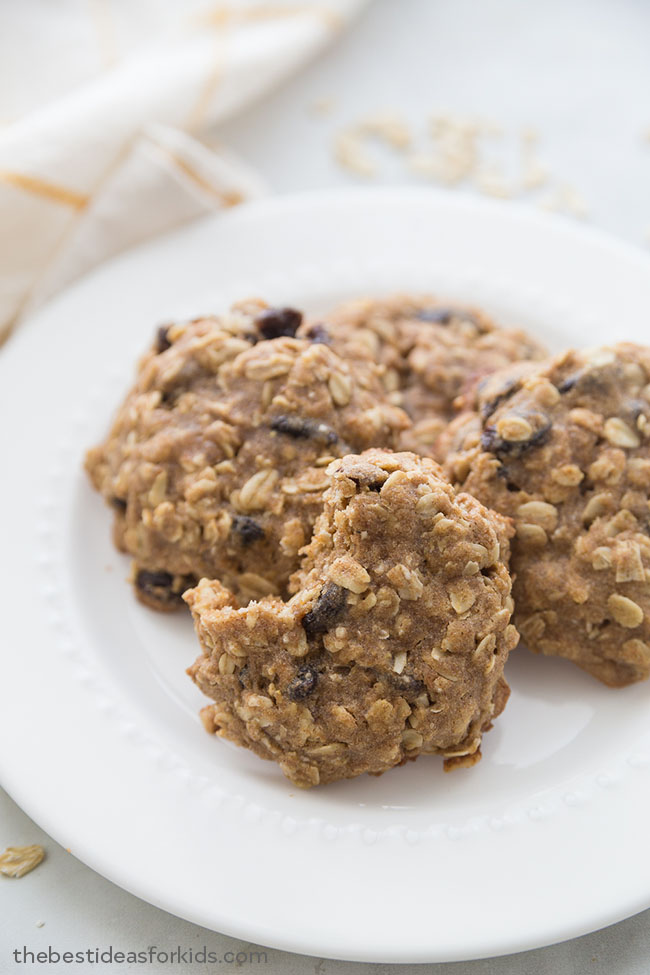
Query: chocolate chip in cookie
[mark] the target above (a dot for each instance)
(296, 426)
(247, 529)
(516, 435)
(327, 609)
(410, 687)
(318, 333)
(274, 322)
(442, 315)
(303, 684)
(161, 589)
(162, 339)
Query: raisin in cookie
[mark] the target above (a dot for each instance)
(564, 448)
(432, 354)
(393, 645)
(215, 464)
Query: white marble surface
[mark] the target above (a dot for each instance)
(579, 74)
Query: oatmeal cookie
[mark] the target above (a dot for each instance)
(563, 447)
(394, 643)
(215, 464)
(432, 354)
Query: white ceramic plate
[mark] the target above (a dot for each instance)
(99, 736)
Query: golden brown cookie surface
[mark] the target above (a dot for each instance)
(432, 354)
(394, 644)
(215, 463)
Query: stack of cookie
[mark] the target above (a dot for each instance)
(353, 600)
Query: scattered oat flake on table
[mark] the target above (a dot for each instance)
(40, 924)
(349, 153)
(530, 136)
(493, 183)
(574, 203)
(16, 861)
(551, 202)
(534, 174)
(457, 154)
(457, 146)
(448, 170)
(389, 127)
(565, 199)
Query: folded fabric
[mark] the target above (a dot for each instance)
(102, 112)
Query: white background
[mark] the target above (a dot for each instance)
(576, 71)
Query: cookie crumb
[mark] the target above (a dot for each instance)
(16, 861)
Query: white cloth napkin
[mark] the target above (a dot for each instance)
(103, 104)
